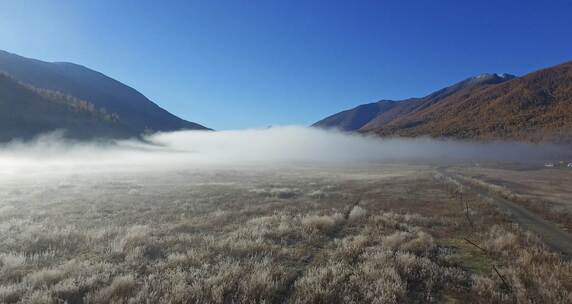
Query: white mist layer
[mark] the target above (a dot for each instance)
(257, 146)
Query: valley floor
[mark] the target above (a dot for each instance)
(364, 233)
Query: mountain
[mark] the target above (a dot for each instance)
(26, 111)
(135, 111)
(356, 118)
(536, 107)
(372, 114)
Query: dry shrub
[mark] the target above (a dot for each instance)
(326, 284)
(534, 274)
(359, 270)
(489, 290)
(377, 223)
(385, 284)
(148, 251)
(350, 248)
(46, 277)
(377, 277)
(500, 241)
(321, 223)
(259, 280)
(416, 268)
(422, 244)
(71, 290)
(64, 242)
(357, 213)
(191, 258)
(139, 245)
(396, 240)
(264, 283)
(11, 260)
(11, 293)
(541, 275)
(419, 242)
(274, 229)
(403, 222)
(283, 193)
(135, 235)
(41, 296)
(66, 283)
(169, 286)
(318, 194)
(120, 290)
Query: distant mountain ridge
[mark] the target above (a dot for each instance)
(136, 112)
(26, 112)
(536, 107)
(356, 118)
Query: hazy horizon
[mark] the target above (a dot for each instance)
(51, 153)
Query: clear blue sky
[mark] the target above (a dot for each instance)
(238, 64)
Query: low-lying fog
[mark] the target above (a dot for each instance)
(176, 150)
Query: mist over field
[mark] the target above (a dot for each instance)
(279, 215)
(425, 172)
(254, 146)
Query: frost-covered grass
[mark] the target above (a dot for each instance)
(255, 237)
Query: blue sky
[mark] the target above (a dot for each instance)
(239, 64)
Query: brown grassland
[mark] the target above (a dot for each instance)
(375, 233)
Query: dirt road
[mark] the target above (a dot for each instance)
(551, 234)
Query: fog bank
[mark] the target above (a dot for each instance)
(255, 146)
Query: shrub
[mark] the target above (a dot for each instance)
(40, 296)
(357, 213)
(11, 260)
(121, 288)
(419, 242)
(11, 293)
(45, 277)
(317, 194)
(322, 223)
(324, 284)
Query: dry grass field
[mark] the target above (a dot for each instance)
(545, 191)
(369, 233)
